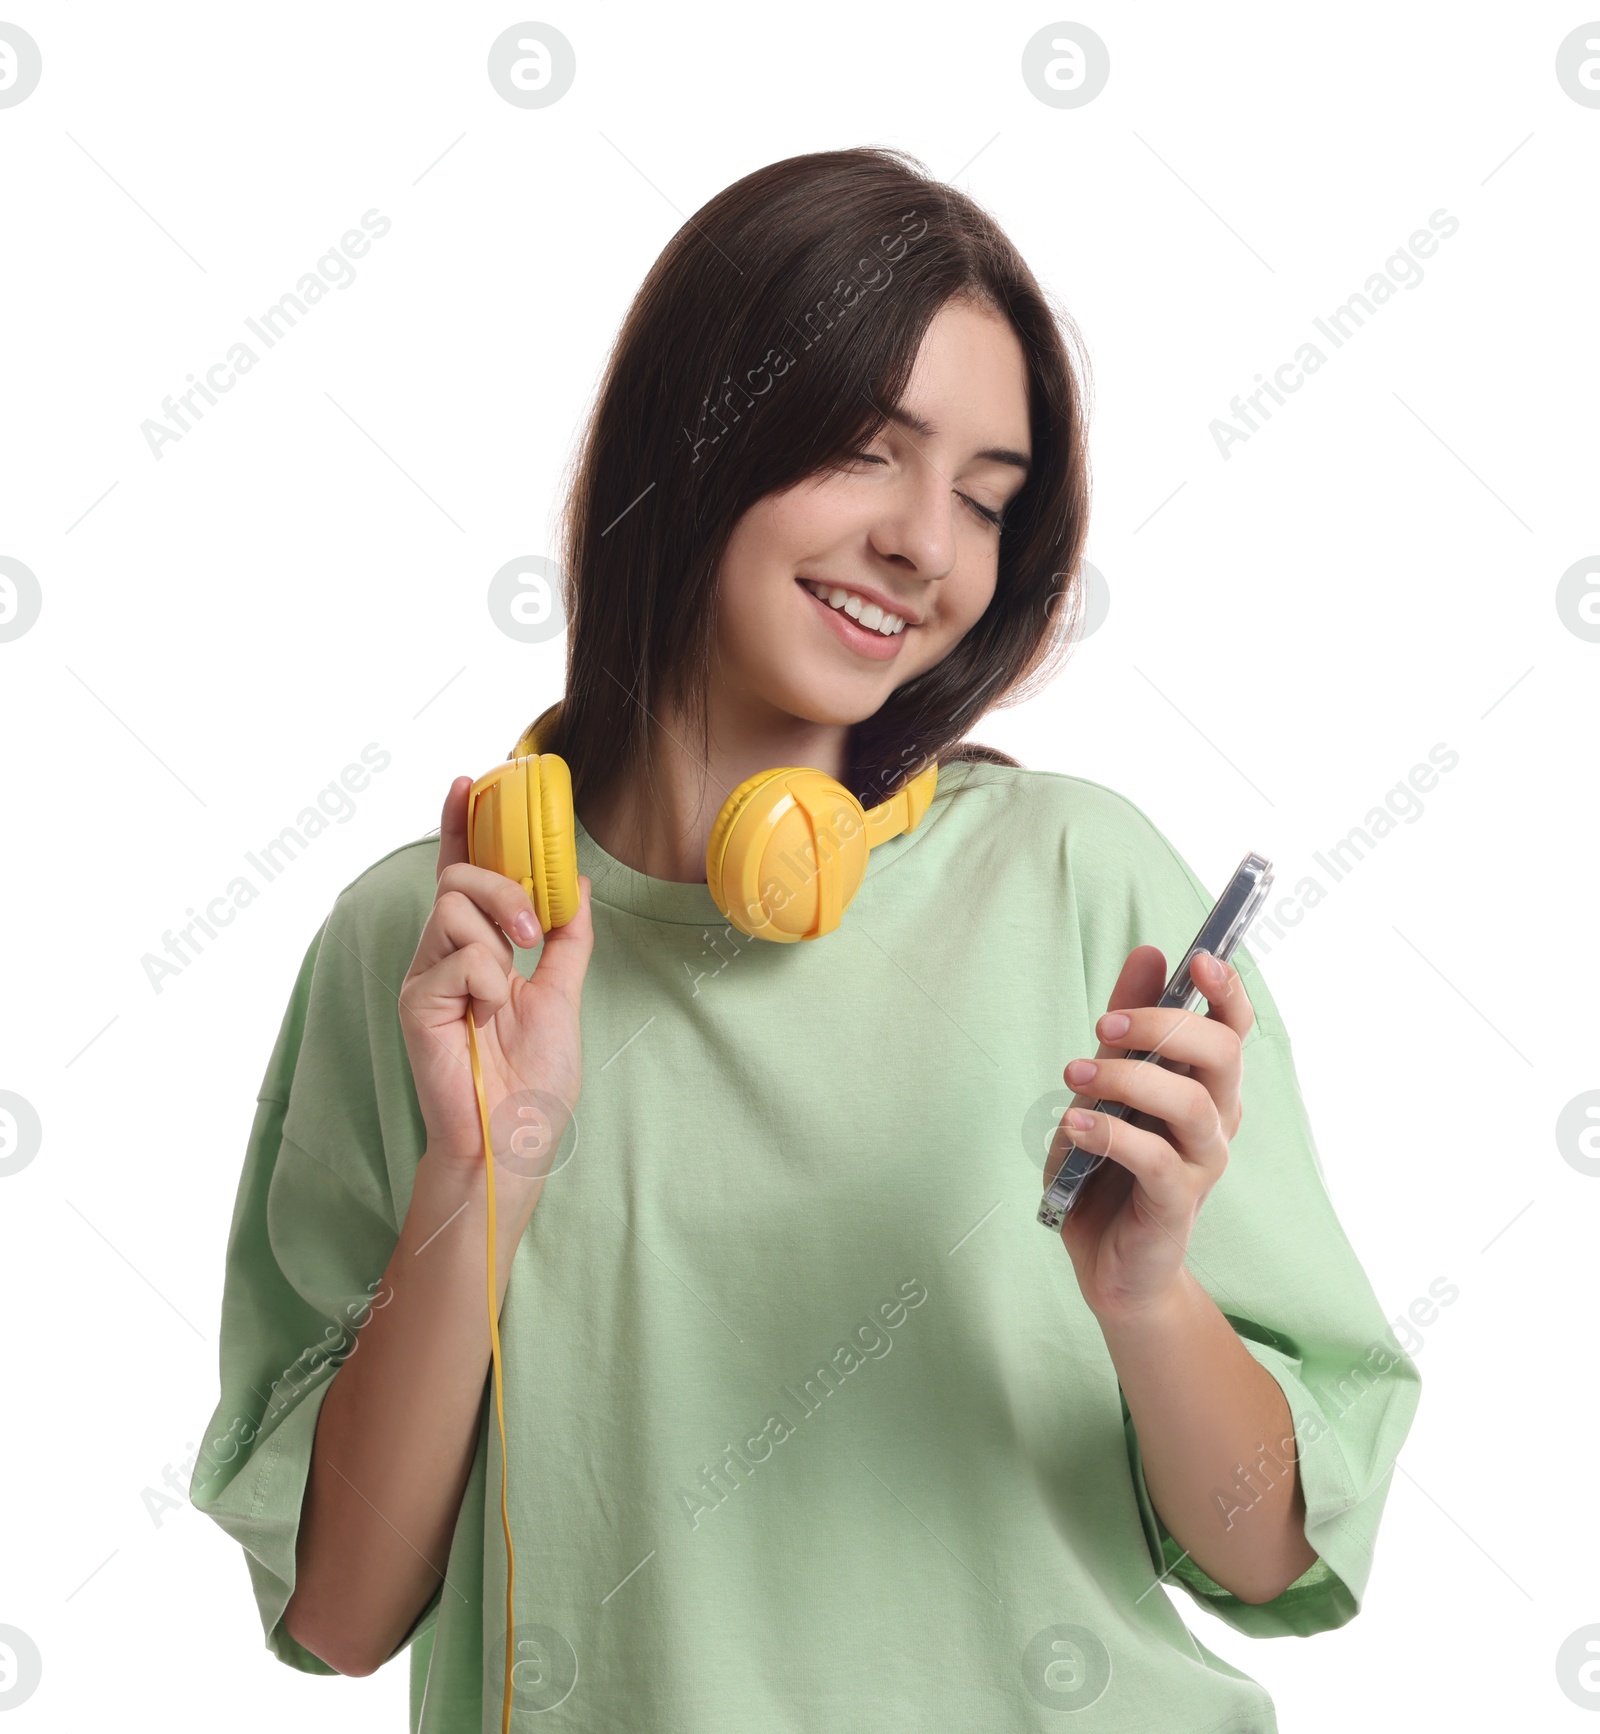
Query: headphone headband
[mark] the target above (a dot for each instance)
(536, 734)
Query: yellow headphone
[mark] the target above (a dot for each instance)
(787, 852)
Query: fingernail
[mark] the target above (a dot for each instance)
(526, 927)
(1113, 1024)
(1080, 1121)
(1081, 1071)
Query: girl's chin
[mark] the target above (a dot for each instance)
(816, 696)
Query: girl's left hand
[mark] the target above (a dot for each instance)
(1129, 1231)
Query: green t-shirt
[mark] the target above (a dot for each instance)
(810, 1428)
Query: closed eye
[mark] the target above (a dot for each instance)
(986, 513)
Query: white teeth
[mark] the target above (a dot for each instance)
(867, 614)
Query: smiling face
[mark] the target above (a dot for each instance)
(905, 528)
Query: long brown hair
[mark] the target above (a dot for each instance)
(764, 344)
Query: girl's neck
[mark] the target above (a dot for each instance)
(665, 835)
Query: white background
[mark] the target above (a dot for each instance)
(1291, 628)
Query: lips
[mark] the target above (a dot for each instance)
(865, 642)
(863, 595)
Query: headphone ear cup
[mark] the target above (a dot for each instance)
(722, 827)
(717, 863)
(787, 852)
(553, 851)
(520, 824)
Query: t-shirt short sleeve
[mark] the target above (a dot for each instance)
(335, 1136)
(1269, 1249)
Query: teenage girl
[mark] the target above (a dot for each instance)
(808, 1424)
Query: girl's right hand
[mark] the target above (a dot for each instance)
(529, 1045)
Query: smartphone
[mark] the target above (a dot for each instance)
(1219, 934)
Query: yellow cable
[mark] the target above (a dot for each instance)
(499, 1388)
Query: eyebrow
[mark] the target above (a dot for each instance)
(926, 430)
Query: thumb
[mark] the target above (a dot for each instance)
(564, 958)
(453, 825)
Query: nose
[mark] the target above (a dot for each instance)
(914, 525)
